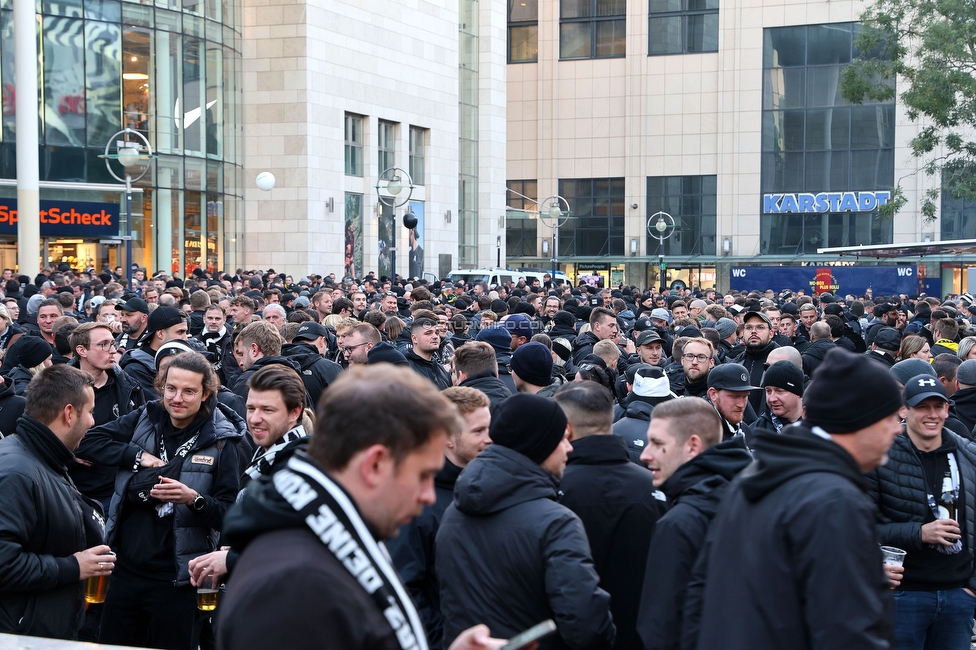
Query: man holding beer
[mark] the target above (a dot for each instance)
(926, 494)
(47, 545)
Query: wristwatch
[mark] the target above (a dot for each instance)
(198, 502)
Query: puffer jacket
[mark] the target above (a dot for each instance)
(216, 451)
(509, 556)
(583, 345)
(898, 488)
(317, 372)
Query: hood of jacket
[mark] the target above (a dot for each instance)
(792, 453)
(500, 478)
(304, 353)
(584, 339)
(267, 361)
(562, 331)
(819, 348)
(702, 474)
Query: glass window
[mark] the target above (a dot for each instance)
(418, 146)
(103, 70)
(523, 31)
(354, 236)
(63, 120)
(386, 145)
(592, 29)
(354, 145)
(691, 201)
(682, 26)
(595, 227)
(522, 219)
(194, 91)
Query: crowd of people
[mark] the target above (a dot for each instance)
(409, 464)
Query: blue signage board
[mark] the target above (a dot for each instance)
(66, 218)
(805, 203)
(882, 280)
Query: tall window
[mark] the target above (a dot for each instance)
(691, 200)
(354, 145)
(682, 26)
(814, 141)
(592, 29)
(386, 145)
(595, 227)
(523, 31)
(521, 219)
(418, 145)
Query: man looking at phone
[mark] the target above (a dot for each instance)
(46, 548)
(505, 525)
(178, 473)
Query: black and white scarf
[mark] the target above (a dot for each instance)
(263, 459)
(333, 517)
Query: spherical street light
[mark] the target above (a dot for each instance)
(265, 181)
(129, 154)
(660, 226)
(394, 186)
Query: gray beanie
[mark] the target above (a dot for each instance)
(905, 370)
(726, 327)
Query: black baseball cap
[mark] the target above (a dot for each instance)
(922, 387)
(309, 331)
(730, 376)
(888, 338)
(647, 337)
(162, 318)
(134, 304)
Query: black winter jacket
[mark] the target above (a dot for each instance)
(898, 488)
(583, 345)
(317, 372)
(793, 545)
(140, 365)
(632, 428)
(18, 378)
(40, 529)
(694, 493)
(241, 386)
(412, 552)
(287, 589)
(490, 385)
(429, 369)
(964, 409)
(814, 355)
(504, 360)
(11, 408)
(753, 361)
(510, 556)
(619, 507)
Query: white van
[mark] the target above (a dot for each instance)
(538, 275)
(492, 277)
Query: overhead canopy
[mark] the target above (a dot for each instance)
(917, 249)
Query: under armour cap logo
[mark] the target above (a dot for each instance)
(926, 382)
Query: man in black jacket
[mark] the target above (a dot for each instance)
(505, 524)
(615, 499)
(316, 371)
(364, 476)
(795, 541)
(694, 468)
(426, 341)
(963, 405)
(647, 387)
(165, 324)
(412, 550)
(783, 385)
(820, 345)
(926, 494)
(757, 334)
(47, 546)
(474, 365)
(603, 326)
(259, 345)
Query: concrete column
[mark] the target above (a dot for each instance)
(28, 192)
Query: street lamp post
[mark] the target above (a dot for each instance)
(554, 212)
(660, 226)
(392, 181)
(129, 153)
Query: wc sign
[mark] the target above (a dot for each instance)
(806, 203)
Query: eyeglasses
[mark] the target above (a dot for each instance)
(700, 358)
(755, 328)
(106, 345)
(186, 393)
(349, 349)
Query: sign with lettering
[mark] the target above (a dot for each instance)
(66, 218)
(806, 203)
(882, 280)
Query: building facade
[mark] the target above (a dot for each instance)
(170, 70)
(724, 114)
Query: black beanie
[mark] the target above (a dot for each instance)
(531, 425)
(786, 375)
(532, 362)
(847, 394)
(32, 350)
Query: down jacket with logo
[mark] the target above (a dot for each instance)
(510, 556)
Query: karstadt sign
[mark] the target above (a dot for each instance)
(806, 203)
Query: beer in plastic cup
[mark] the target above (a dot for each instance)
(207, 594)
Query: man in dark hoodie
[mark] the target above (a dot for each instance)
(165, 324)
(474, 366)
(412, 550)
(616, 501)
(795, 541)
(426, 341)
(482, 563)
(757, 334)
(603, 326)
(963, 406)
(316, 371)
(647, 387)
(693, 467)
(820, 345)
(501, 342)
(259, 345)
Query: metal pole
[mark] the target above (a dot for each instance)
(660, 264)
(393, 235)
(28, 190)
(555, 251)
(127, 269)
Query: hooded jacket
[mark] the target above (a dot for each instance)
(429, 369)
(509, 556)
(40, 529)
(754, 362)
(694, 493)
(794, 544)
(583, 345)
(963, 408)
(490, 385)
(317, 372)
(140, 364)
(619, 507)
(288, 590)
(814, 355)
(11, 408)
(632, 427)
(241, 386)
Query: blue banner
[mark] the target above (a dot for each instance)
(66, 218)
(882, 280)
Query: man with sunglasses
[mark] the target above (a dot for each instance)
(116, 394)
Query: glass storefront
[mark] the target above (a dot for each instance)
(170, 69)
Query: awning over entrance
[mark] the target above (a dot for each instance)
(917, 249)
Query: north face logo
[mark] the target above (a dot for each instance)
(639, 442)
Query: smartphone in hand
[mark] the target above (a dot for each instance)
(531, 635)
